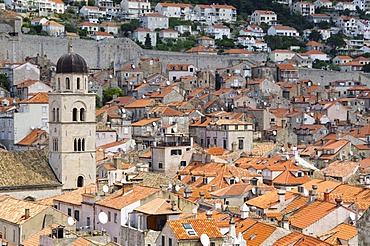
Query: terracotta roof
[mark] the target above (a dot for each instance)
(155, 15)
(288, 178)
(178, 67)
(117, 200)
(75, 197)
(105, 34)
(32, 137)
(322, 185)
(40, 97)
(202, 49)
(26, 83)
(268, 199)
(215, 151)
(145, 122)
(265, 12)
(179, 5)
(258, 233)
(219, 6)
(341, 168)
(141, 103)
(158, 206)
(237, 51)
(299, 239)
(311, 213)
(342, 232)
(12, 210)
(284, 28)
(220, 27)
(288, 67)
(200, 226)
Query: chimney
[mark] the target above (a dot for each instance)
(244, 211)
(338, 135)
(126, 187)
(173, 205)
(311, 196)
(26, 213)
(281, 195)
(232, 230)
(116, 162)
(201, 194)
(188, 192)
(326, 196)
(253, 181)
(209, 214)
(338, 201)
(285, 222)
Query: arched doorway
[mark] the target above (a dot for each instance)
(80, 181)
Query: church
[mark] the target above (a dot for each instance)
(69, 162)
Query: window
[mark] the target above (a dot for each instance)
(232, 181)
(44, 109)
(183, 163)
(193, 179)
(88, 221)
(57, 114)
(241, 144)
(4, 232)
(74, 114)
(103, 135)
(169, 241)
(80, 181)
(68, 84)
(58, 83)
(205, 180)
(109, 215)
(176, 152)
(115, 217)
(160, 165)
(77, 215)
(82, 114)
(114, 239)
(224, 144)
(78, 83)
(69, 212)
(55, 144)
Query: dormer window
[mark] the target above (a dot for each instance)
(232, 181)
(189, 229)
(193, 179)
(205, 180)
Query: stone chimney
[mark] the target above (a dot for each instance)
(285, 222)
(201, 194)
(338, 201)
(188, 192)
(311, 196)
(244, 211)
(232, 230)
(173, 205)
(209, 214)
(26, 213)
(326, 196)
(281, 195)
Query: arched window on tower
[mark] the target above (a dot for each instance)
(80, 181)
(58, 83)
(83, 144)
(57, 115)
(74, 114)
(55, 144)
(68, 84)
(79, 144)
(75, 145)
(78, 83)
(82, 114)
(53, 114)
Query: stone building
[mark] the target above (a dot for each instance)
(72, 124)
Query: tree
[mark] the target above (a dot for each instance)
(315, 36)
(4, 82)
(130, 26)
(110, 92)
(97, 102)
(366, 68)
(148, 42)
(336, 42)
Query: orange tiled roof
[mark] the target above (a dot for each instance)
(258, 233)
(75, 197)
(40, 97)
(158, 206)
(31, 137)
(341, 168)
(117, 200)
(200, 226)
(141, 103)
(343, 232)
(299, 239)
(268, 199)
(145, 122)
(288, 178)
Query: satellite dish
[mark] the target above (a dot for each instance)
(103, 218)
(274, 133)
(352, 216)
(154, 124)
(105, 188)
(177, 188)
(144, 81)
(237, 179)
(133, 66)
(143, 96)
(204, 239)
(71, 221)
(110, 76)
(169, 186)
(168, 82)
(351, 152)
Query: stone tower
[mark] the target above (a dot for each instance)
(72, 124)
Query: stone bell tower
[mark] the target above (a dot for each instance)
(72, 124)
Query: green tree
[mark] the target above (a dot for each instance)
(148, 42)
(97, 102)
(315, 36)
(91, 2)
(366, 68)
(108, 94)
(336, 42)
(4, 82)
(130, 26)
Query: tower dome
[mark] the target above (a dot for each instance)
(71, 63)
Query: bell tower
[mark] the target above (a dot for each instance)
(72, 123)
